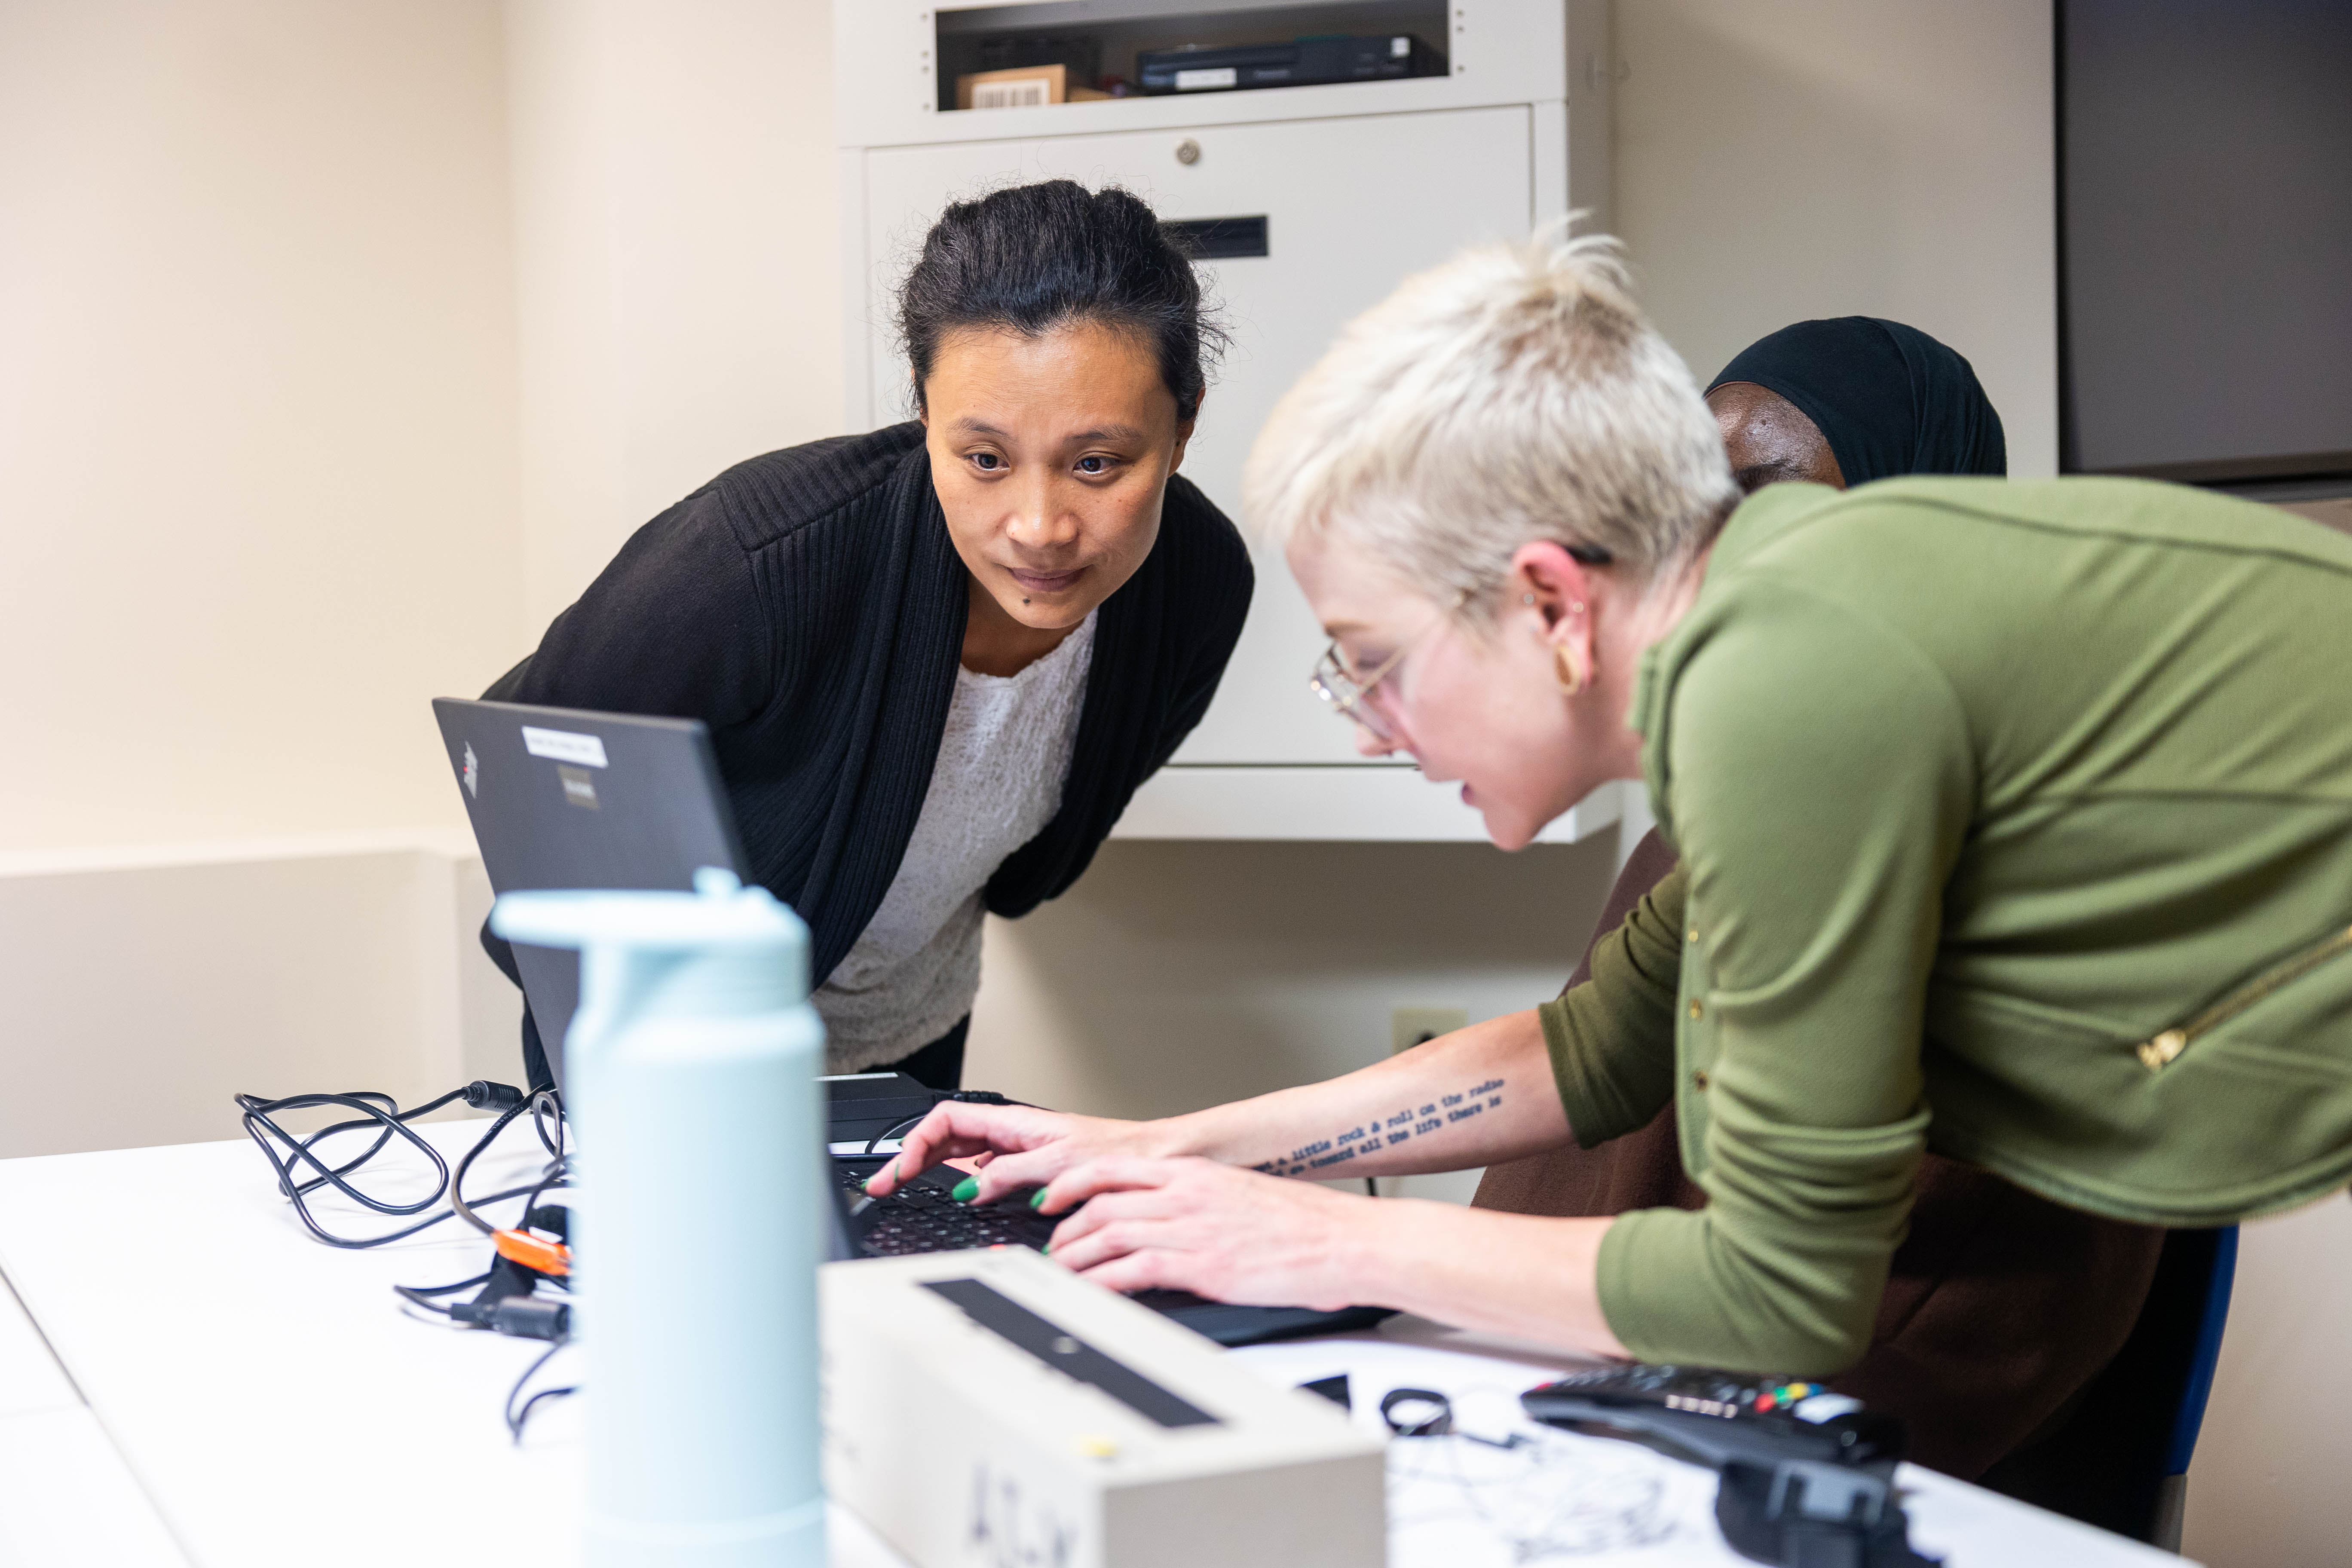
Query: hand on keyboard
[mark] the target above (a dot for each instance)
(1228, 1234)
(1020, 1147)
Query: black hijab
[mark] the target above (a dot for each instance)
(1888, 398)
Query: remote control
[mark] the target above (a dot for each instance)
(1808, 1474)
(1709, 1417)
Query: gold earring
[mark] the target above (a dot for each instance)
(1564, 673)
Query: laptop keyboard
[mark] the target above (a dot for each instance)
(923, 1218)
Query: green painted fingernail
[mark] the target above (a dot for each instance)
(1047, 1250)
(966, 1190)
(1037, 1199)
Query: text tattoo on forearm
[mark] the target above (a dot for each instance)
(1386, 1132)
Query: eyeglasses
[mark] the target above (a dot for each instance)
(1356, 698)
(1347, 696)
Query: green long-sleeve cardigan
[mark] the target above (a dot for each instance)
(2015, 820)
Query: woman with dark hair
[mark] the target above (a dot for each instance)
(1999, 1306)
(937, 660)
(1852, 399)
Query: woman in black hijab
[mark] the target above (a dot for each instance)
(2001, 1307)
(1847, 401)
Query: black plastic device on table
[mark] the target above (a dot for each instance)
(1808, 1474)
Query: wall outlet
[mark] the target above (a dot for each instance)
(1408, 1026)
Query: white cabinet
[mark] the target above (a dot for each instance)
(1358, 185)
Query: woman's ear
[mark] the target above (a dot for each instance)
(1184, 423)
(1558, 586)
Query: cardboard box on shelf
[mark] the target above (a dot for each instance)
(1021, 87)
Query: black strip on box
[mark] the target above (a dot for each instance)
(1066, 1352)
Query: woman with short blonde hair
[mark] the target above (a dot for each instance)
(2015, 819)
(1515, 394)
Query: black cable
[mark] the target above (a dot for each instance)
(559, 1170)
(558, 1173)
(457, 1204)
(516, 1418)
(381, 1109)
(257, 1116)
(261, 1126)
(960, 1096)
(906, 1126)
(422, 1295)
(1428, 1412)
(303, 1170)
(548, 1099)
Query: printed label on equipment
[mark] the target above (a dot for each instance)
(564, 746)
(579, 788)
(1028, 94)
(1219, 76)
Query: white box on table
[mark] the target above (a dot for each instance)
(965, 1449)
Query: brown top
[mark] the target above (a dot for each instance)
(2000, 1305)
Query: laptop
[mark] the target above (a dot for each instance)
(560, 797)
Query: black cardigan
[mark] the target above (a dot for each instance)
(808, 606)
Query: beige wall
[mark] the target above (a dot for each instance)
(2266, 1489)
(257, 411)
(1179, 975)
(1783, 159)
(679, 260)
(277, 466)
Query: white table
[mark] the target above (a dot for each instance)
(233, 1395)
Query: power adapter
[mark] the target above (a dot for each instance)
(523, 1316)
(483, 1095)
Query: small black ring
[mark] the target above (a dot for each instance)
(1435, 1425)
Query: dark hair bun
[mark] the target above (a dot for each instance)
(1032, 258)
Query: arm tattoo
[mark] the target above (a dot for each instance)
(1409, 1122)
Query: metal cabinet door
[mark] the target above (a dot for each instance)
(1351, 206)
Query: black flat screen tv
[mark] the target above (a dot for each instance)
(2205, 240)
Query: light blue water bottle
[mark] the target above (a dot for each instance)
(689, 1076)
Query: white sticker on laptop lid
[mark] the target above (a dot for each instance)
(565, 746)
